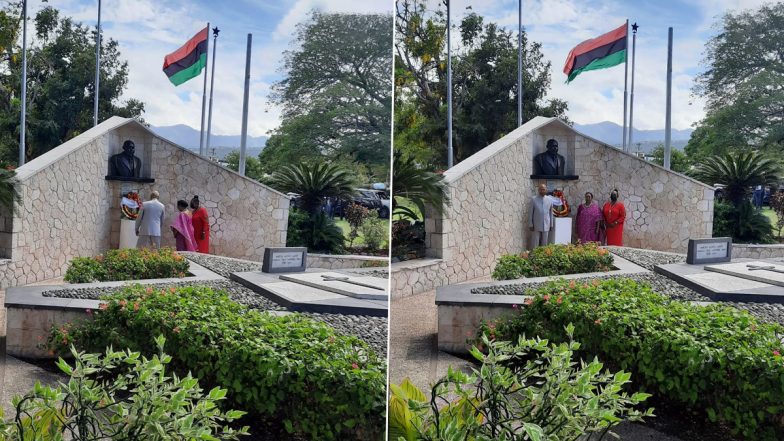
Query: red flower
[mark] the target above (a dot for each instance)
(528, 301)
(354, 366)
(148, 290)
(559, 300)
(136, 306)
(546, 297)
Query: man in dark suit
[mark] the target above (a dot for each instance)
(126, 164)
(550, 163)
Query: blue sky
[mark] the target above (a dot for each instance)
(147, 30)
(598, 95)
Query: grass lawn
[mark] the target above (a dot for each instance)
(767, 211)
(403, 202)
(360, 240)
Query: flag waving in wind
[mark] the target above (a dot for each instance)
(604, 51)
(187, 61)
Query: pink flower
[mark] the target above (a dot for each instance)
(598, 321)
(777, 353)
(559, 300)
(546, 297)
(136, 306)
(354, 366)
(89, 311)
(514, 306)
(528, 301)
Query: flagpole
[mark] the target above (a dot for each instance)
(215, 32)
(520, 90)
(625, 81)
(450, 153)
(97, 66)
(668, 112)
(204, 96)
(631, 99)
(244, 139)
(22, 129)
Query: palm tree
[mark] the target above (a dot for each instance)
(419, 186)
(738, 171)
(314, 182)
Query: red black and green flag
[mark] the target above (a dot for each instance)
(604, 51)
(187, 61)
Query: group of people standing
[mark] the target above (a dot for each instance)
(593, 224)
(191, 226)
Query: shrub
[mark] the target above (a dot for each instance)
(408, 240)
(127, 264)
(121, 396)
(289, 370)
(551, 260)
(529, 388)
(742, 222)
(374, 230)
(317, 232)
(714, 358)
(355, 216)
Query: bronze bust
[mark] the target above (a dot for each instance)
(125, 164)
(550, 163)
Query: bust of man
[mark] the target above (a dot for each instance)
(550, 163)
(125, 164)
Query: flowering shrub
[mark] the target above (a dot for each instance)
(288, 371)
(127, 264)
(718, 359)
(553, 260)
(121, 395)
(374, 230)
(528, 389)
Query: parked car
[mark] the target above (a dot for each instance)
(386, 204)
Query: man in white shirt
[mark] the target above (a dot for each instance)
(541, 219)
(148, 224)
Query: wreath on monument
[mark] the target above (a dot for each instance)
(564, 209)
(131, 205)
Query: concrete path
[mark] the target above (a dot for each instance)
(413, 353)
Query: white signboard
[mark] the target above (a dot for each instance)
(713, 250)
(287, 260)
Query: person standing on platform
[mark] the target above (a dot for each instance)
(149, 221)
(201, 226)
(614, 214)
(540, 220)
(588, 218)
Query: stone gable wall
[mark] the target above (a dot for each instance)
(68, 209)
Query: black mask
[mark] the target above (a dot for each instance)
(613, 197)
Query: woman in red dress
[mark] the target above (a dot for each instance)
(201, 226)
(614, 214)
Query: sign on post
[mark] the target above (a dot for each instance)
(284, 260)
(713, 250)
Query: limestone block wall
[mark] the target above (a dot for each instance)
(491, 193)
(744, 251)
(335, 262)
(68, 209)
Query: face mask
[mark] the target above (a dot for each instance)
(613, 198)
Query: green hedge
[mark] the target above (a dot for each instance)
(553, 260)
(714, 358)
(127, 264)
(289, 371)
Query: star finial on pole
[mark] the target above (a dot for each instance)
(634, 27)
(215, 31)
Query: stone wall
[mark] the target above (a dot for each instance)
(68, 209)
(491, 193)
(335, 262)
(417, 276)
(744, 251)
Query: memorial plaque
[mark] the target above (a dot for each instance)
(284, 260)
(714, 250)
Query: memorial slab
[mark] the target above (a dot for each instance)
(360, 287)
(725, 286)
(284, 260)
(758, 271)
(712, 250)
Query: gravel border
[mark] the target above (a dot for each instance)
(647, 258)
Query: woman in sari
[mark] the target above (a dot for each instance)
(183, 228)
(588, 218)
(614, 217)
(201, 226)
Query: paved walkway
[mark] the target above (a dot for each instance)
(413, 353)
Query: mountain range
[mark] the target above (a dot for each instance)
(611, 133)
(188, 137)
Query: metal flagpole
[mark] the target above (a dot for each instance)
(520, 90)
(625, 80)
(23, 127)
(215, 32)
(631, 98)
(244, 140)
(450, 153)
(97, 66)
(668, 112)
(204, 98)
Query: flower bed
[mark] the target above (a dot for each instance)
(718, 359)
(288, 371)
(127, 264)
(552, 260)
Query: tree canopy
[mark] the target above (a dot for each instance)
(60, 81)
(743, 84)
(336, 94)
(484, 78)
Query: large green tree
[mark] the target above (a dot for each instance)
(484, 77)
(60, 81)
(743, 84)
(336, 94)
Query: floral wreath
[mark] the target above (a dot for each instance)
(564, 209)
(131, 205)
